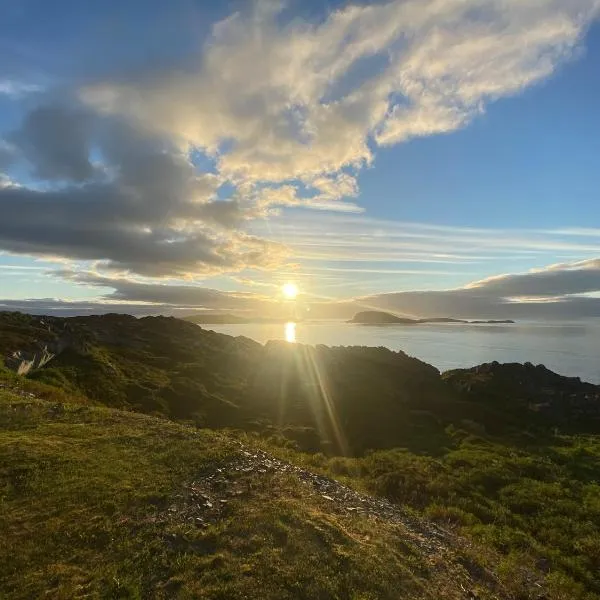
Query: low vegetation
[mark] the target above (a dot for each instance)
(506, 458)
(94, 504)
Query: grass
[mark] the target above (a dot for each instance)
(84, 513)
(79, 487)
(531, 513)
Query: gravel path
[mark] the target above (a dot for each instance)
(205, 499)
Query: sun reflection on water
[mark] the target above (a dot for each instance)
(290, 332)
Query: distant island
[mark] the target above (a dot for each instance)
(229, 319)
(217, 319)
(374, 317)
(369, 317)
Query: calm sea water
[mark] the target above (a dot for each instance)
(571, 349)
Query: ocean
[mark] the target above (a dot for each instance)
(571, 349)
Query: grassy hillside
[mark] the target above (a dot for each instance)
(335, 400)
(109, 503)
(99, 503)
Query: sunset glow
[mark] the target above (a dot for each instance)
(289, 290)
(290, 332)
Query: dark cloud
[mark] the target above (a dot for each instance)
(55, 140)
(149, 211)
(173, 296)
(465, 304)
(98, 222)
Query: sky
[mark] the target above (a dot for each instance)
(426, 157)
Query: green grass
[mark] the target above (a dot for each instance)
(531, 512)
(79, 488)
(84, 513)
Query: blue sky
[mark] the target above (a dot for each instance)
(201, 154)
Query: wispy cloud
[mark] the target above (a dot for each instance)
(15, 89)
(362, 239)
(565, 291)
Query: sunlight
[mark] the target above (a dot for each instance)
(289, 290)
(290, 332)
(323, 404)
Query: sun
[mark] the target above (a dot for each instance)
(289, 290)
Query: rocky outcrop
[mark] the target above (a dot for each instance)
(23, 362)
(533, 388)
(58, 337)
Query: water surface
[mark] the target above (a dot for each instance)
(571, 349)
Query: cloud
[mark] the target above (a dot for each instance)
(103, 222)
(278, 101)
(554, 281)
(7, 154)
(285, 113)
(148, 211)
(363, 241)
(169, 296)
(56, 141)
(493, 298)
(66, 308)
(558, 291)
(520, 296)
(15, 89)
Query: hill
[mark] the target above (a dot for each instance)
(166, 366)
(129, 506)
(217, 319)
(375, 317)
(478, 483)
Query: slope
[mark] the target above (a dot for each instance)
(101, 503)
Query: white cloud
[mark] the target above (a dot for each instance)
(301, 101)
(361, 239)
(15, 89)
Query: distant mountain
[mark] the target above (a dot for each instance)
(229, 319)
(375, 317)
(492, 322)
(217, 319)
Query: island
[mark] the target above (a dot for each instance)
(216, 319)
(374, 317)
(230, 319)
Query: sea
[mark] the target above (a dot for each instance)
(571, 349)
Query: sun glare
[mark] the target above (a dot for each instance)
(290, 333)
(290, 290)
